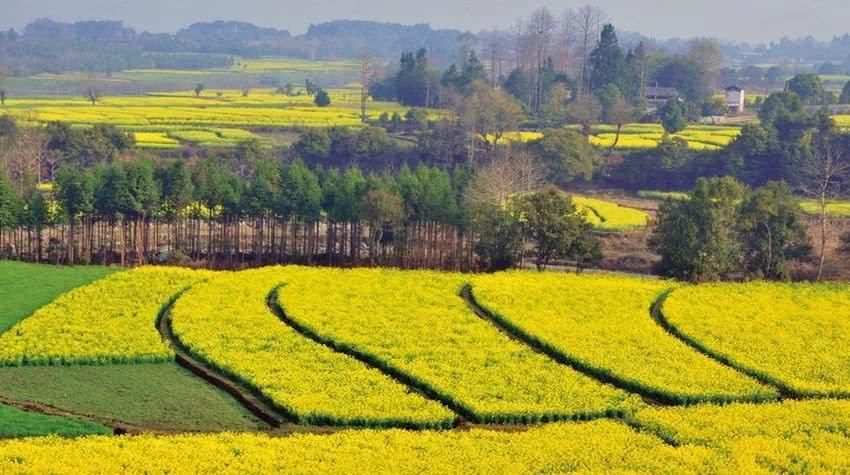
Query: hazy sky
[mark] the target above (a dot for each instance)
(750, 20)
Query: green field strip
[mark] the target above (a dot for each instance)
(17, 422)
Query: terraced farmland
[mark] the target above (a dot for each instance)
(642, 136)
(646, 136)
(416, 324)
(215, 119)
(329, 350)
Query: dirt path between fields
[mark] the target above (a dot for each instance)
(464, 415)
(241, 394)
(657, 312)
(649, 395)
(118, 427)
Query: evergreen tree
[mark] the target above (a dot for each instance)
(10, 205)
(412, 80)
(607, 61)
(673, 116)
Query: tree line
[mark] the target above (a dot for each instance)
(240, 214)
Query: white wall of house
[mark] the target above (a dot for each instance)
(735, 100)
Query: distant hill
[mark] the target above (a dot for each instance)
(106, 46)
(345, 38)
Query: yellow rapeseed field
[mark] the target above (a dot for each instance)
(593, 447)
(645, 136)
(792, 334)
(604, 323)
(416, 323)
(226, 321)
(110, 321)
(216, 118)
(720, 425)
(792, 437)
(610, 216)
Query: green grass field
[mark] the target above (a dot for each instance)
(159, 396)
(26, 287)
(17, 423)
(662, 195)
(244, 72)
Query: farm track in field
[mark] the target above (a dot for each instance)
(465, 416)
(242, 395)
(517, 335)
(657, 312)
(602, 375)
(118, 427)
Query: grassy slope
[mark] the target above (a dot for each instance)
(26, 287)
(17, 423)
(154, 396)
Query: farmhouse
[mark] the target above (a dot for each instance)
(656, 95)
(735, 97)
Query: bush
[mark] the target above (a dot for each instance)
(322, 98)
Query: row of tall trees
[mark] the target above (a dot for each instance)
(136, 212)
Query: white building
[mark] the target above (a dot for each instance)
(735, 99)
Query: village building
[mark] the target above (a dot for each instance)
(657, 96)
(735, 99)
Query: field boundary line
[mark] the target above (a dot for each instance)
(371, 361)
(546, 349)
(185, 358)
(467, 414)
(651, 395)
(657, 313)
(118, 427)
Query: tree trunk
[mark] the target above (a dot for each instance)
(822, 237)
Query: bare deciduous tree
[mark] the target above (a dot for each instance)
(92, 92)
(589, 20)
(496, 44)
(567, 40)
(489, 113)
(511, 171)
(23, 158)
(621, 113)
(706, 53)
(586, 111)
(822, 176)
(541, 29)
(368, 71)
